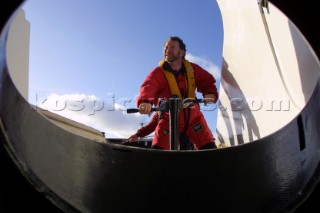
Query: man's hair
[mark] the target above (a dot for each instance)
(181, 43)
(179, 40)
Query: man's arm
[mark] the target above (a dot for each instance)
(148, 91)
(206, 84)
(146, 130)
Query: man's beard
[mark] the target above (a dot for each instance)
(171, 57)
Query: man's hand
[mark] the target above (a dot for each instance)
(145, 108)
(209, 99)
(133, 138)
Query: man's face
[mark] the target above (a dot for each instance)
(172, 51)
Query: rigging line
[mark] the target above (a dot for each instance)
(264, 3)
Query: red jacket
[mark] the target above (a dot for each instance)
(149, 128)
(191, 120)
(155, 85)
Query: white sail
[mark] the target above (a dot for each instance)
(268, 75)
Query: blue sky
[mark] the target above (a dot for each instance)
(93, 55)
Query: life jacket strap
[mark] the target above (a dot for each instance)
(191, 83)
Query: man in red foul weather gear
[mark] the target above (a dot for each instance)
(177, 76)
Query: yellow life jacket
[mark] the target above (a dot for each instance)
(191, 83)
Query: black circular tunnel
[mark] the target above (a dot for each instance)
(48, 169)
